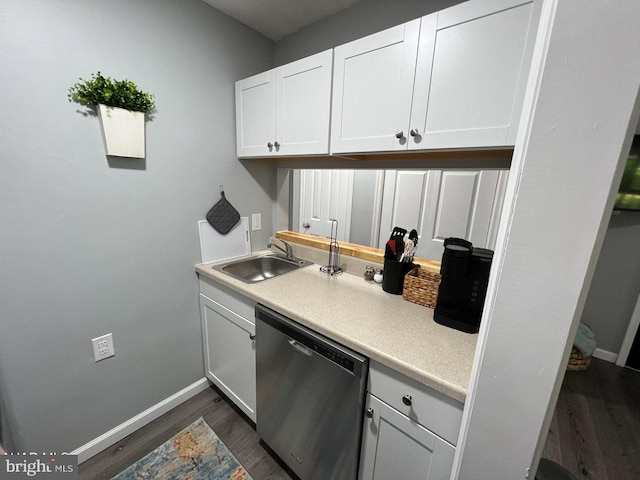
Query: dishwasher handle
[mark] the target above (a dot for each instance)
(299, 347)
(314, 343)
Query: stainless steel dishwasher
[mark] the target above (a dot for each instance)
(310, 398)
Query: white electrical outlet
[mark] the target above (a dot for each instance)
(256, 221)
(103, 347)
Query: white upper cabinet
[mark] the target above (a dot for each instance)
(285, 111)
(452, 79)
(373, 83)
(471, 73)
(255, 114)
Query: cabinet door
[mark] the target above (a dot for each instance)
(255, 115)
(373, 85)
(443, 203)
(393, 446)
(230, 357)
(303, 101)
(471, 73)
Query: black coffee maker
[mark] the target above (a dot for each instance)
(465, 275)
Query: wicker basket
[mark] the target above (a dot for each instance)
(578, 361)
(421, 287)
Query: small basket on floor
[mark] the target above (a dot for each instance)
(578, 361)
(421, 287)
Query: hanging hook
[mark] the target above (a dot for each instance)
(221, 191)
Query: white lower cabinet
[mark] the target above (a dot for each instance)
(409, 430)
(228, 329)
(394, 446)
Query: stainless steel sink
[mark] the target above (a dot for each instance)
(258, 269)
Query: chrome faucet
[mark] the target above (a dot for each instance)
(287, 250)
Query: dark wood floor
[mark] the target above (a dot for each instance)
(595, 431)
(234, 430)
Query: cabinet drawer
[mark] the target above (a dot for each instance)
(230, 299)
(431, 409)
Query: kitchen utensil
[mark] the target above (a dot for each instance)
(222, 216)
(397, 231)
(399, 247)
(413, 238)
(408, 248)
(390, 249)
(396, 244)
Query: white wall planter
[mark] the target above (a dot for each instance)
(122, 131)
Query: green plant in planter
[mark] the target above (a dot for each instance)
(113, 93)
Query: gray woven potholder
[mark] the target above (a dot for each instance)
(222, 216)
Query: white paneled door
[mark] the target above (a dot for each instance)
(326, 195)
(443, 203)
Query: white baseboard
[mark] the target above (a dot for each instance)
(605, 355)
(116, 434)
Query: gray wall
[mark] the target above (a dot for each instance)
(363, 18)
(91, 246)
(616, 282)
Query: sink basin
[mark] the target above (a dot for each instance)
(258, 269)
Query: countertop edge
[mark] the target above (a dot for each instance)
(454, 391)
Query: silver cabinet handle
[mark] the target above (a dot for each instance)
(414, 132)
(270, 145)
(252, 336)
(407, 400)
(277, 144)
(369, 413)
(399, 134)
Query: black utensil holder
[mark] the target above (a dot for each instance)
(393, 275)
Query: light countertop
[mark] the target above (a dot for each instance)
(365, 318)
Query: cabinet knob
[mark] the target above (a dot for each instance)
(270, 145)
(414, 132)
(399, 134)
(369, 413)
(407, 400)
(252, 336)
(277, 145)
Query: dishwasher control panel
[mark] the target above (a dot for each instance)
(340, 355)
(335, 357)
